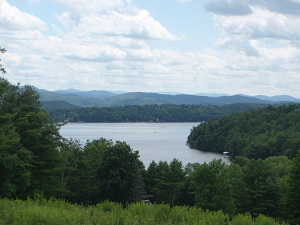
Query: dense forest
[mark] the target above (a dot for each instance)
(36, 161)
(149, 113)
(272, 131)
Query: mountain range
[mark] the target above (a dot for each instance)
(72, 98)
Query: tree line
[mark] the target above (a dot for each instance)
(271, 131)
(149, 113)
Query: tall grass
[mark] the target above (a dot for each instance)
(41, 211)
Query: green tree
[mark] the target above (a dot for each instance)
(86, 187)
(40, 136)
(70, 155)
(186, 195)
(169, 181)
(15, 161)
(213, 186)
(119, 174)
(151, 179)
(280, 169)
(258, 191)
(37, 133)
(294, 187)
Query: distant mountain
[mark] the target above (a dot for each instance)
(70, 90)
(52, 105)
(70, 98)
(154, 98)
(106, 98)
(278, 98)
(93, 93)
(212, 94)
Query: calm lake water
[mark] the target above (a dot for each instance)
(154, 141)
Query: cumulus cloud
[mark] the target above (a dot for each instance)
(114, 19)
(11, 18)
(261, 41)
(94, 53)
(291, 7)
(249, 26)
(104, 31)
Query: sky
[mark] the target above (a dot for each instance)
(249, 47)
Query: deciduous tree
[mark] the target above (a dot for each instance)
(119, 174)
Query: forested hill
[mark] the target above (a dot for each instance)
(271, 131)
(109, 99)
(53, 105)
(150, 113)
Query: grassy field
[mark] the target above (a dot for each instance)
(55, 212)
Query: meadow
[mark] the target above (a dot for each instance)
(54, 212)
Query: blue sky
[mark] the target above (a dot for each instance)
(247, 47)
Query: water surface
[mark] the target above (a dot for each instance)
(154, 141)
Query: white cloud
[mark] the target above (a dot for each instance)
(263, 33)
(128, 22)
(13, 19)
(260, 24)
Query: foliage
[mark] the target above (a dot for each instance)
(119, 174)
(213, 186)
(149, 113)
(29, 140)
(164, 181)
(70, 157)
(14, 161)
(294, 187)
(101, 170)
(271, 131)
(42, 211)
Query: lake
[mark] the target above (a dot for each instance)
(154, 141)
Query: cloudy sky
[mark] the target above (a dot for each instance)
(176, 46)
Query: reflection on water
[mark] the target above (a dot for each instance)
(154, 141)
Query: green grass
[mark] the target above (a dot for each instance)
(56, 212)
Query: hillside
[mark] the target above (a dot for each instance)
(271, 131)
(70, 98)
(53, 105)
